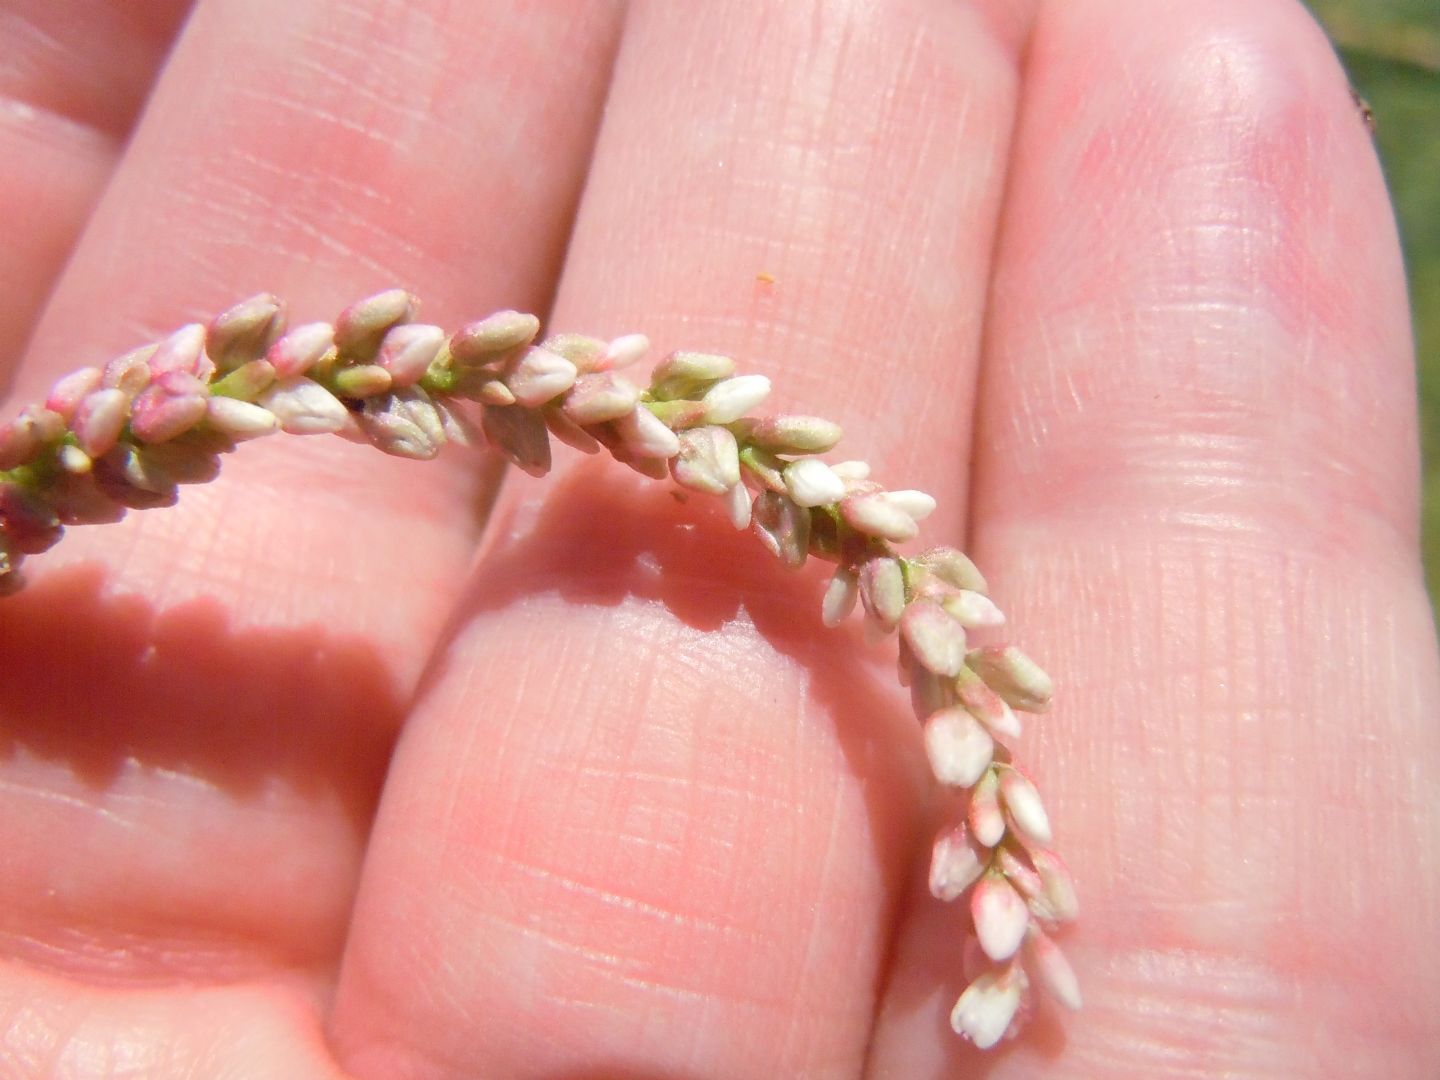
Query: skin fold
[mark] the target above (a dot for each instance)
(351, 766)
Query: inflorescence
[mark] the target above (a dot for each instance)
(126, 435)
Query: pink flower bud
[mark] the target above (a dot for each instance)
(1012, 675)
(882, 588)
(1000, 917)
(872, 515)
(157, 416)
(986, 705)
(67, 393)
(1027, 812)
(598, 398)
(937, 640)
(1054, 971)
(406, 351)
(956, 863)
(359, 328)
(99, 420)
(184, 352)
(401, 428)
(244, 332)
(301, 349)
(23, 437)
(986, 819)
(1058, 902)
(958, 747)
(130, 372)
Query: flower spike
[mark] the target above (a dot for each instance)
(126, 435)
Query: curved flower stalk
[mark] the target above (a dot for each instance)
(128, 434)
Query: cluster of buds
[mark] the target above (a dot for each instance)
(126, 435)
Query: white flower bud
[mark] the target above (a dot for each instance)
(1027, 812)
(731, 399)
(840, 596)
(304, 407)
(958, 747)
(917, 504)
(986, 1008)
(811, 483)
(240, 419)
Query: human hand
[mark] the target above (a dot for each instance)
(292, 789)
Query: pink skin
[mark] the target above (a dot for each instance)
(647, 818)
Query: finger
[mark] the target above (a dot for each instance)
(71, 82)
(202, 730)
(632, 805)
(1197, 486)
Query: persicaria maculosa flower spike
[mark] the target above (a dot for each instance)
(126, 435)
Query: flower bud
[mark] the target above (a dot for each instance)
(99, 420)
(937, 640)
(360, 327)
(731, 399)
(622, 351)
(244, 332)
(958, 747)
(1054, 971)
(157, 416)
(1000, 917)
(588, 354)
(986, 705)
(407, 351)
(540, 376)
(986, 819)
(707, 460)
(68, 392)
(956, 863)
(646, 437)
(304, 407)
(492, 338)
(810, 482)
(1027, 812)
(1012, 675)
(683, 374)
(519, 434)
(872, 515)
(787, 434)
(987, 1007)
(783, 527)
(240, 419)
(130, 372)
(882, 588)
(361, 381)
(301, 349)
(599, 398)
(183, 351)
(973, 610)
(840, 596)
(952, 567)
(738, 506)
(915, 504)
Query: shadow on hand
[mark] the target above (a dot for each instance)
(96, 680)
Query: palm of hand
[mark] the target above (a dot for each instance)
(290, 790)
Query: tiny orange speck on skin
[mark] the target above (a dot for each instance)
(764, 277)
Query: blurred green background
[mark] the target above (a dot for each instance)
(1391, 49)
